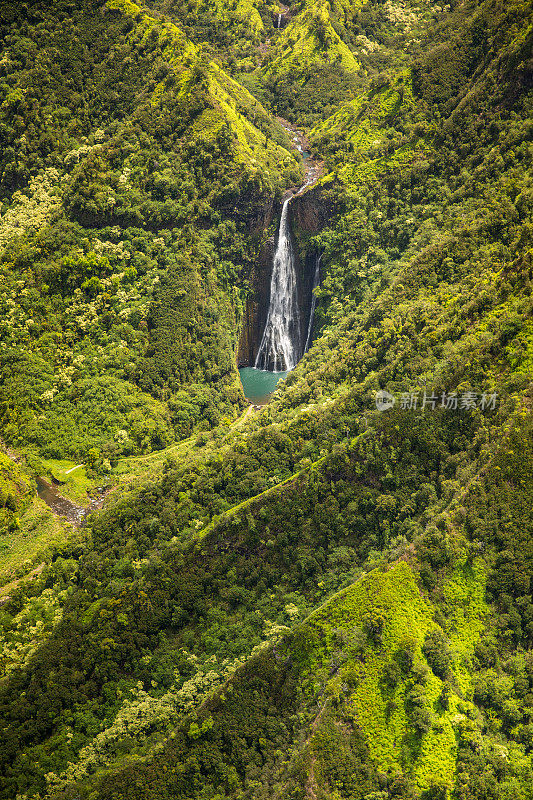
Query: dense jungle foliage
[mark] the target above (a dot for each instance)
(129, 170)
(319, 599)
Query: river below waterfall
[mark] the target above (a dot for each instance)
(59, 504)
(64, 507)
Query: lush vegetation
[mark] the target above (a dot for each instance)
(320, 599)
(127, 233)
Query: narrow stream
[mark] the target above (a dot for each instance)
(59, 505)
(64, 507)
(316, 281)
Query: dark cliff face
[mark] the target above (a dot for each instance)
(308, 214)
(255, 211)
(312, 210)
(256, 310)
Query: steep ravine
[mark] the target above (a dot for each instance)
(306, 214)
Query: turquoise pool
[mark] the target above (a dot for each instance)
(258, 384)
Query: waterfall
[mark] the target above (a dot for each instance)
(280, 346)
(279, 22)
(313, 303)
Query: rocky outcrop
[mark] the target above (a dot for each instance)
(310, 213)
(312, 210)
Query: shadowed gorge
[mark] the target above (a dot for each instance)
(318, 588)
(277, 314)
(283, 343)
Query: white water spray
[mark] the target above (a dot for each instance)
(280, 346)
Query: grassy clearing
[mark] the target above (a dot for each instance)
(31, 543)
(391, 600)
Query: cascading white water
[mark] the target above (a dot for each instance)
(278, 26)
(280, 346)
(313, 303)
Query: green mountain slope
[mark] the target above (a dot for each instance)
(95, 247)
(347, 696)
(324, 599)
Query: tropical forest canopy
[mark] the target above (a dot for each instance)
(318, 599)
